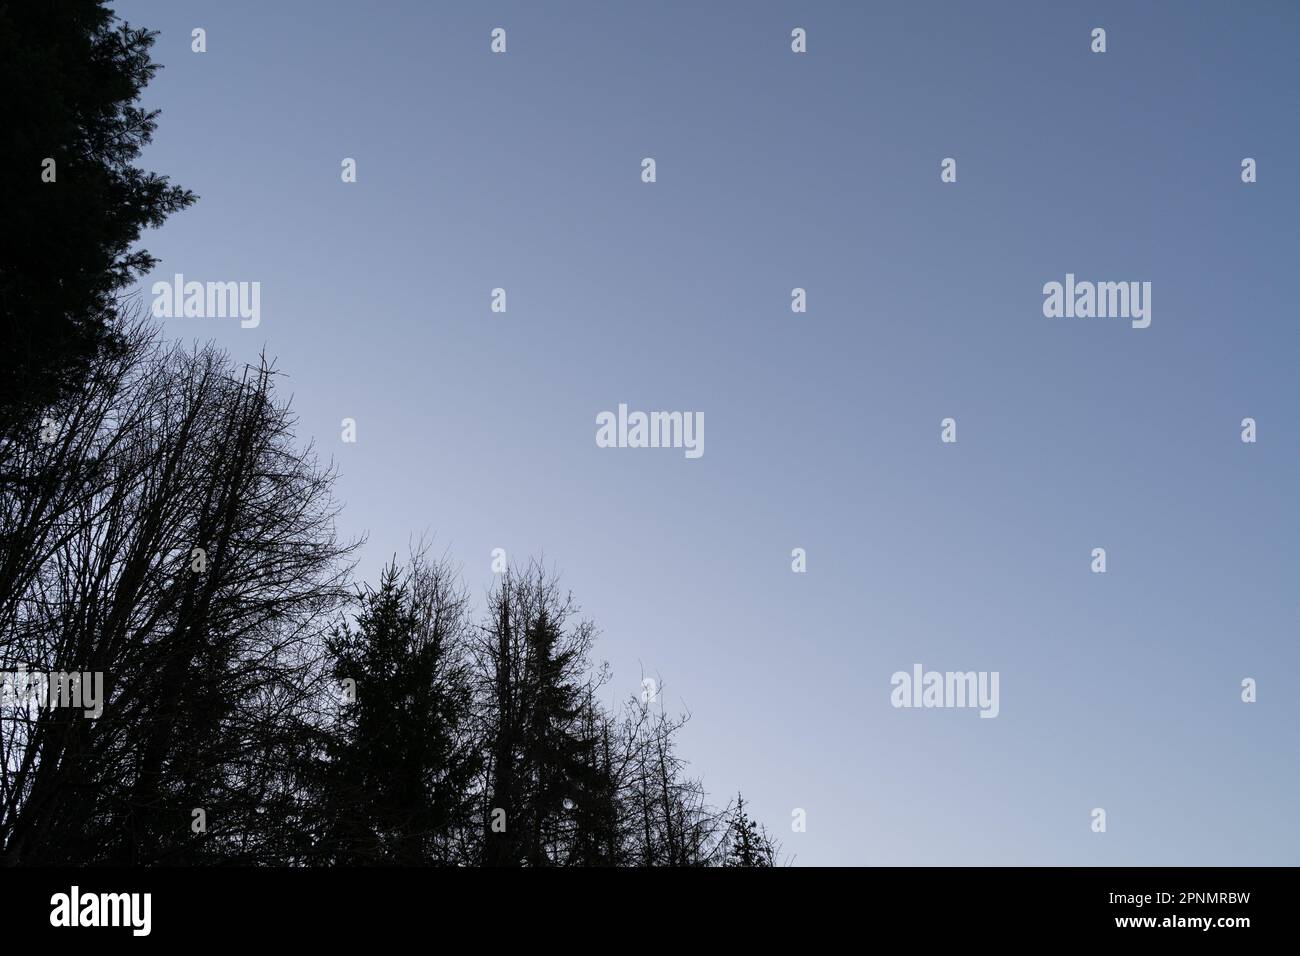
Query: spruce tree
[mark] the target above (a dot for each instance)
(401, 762)
(750, 844)
(74, 201)
(534, 675)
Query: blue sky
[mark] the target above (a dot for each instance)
(821, 171)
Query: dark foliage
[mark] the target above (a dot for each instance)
(71, 76)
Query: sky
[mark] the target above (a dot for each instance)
(777, 170)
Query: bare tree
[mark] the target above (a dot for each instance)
(166, 532)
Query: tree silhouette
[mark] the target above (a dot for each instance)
(533, 668)
(401, 762)
(173, 537)
(749, 844)
(72, 75)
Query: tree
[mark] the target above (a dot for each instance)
(670, 822)
(401, 762)
(749, 843)
(73, 200)
(171, 536)
(597, 816)
(533, 675)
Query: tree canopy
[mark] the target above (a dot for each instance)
(74, 200)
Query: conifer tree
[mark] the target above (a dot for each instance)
(750, 846)
(534, 670)
(74, 201)
(401, 762)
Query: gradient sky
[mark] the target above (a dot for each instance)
(775, 170)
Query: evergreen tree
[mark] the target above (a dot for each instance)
(597, 819)
(71, 75)
(401, 763)
(749, 843)
(533, 666)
